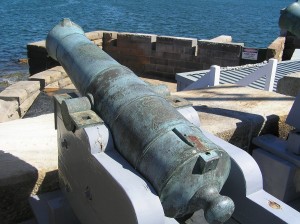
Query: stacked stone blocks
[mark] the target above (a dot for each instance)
(222, 54)
(163, 56)
(160, 56)
(174, 54)
(55, 77)
(96, 37)
(16, 99)
(134, 50)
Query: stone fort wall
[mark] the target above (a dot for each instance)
(157, 56)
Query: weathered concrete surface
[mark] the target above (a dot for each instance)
(28, 164)
(289, 85)
(17, 99)
(25, 93)
(24, 107)
(69, 87)
(60, 84)
(58, 69)
(94, 35)
(14, 94)
(52, 86)
(237, 114)
(278, 46)
(64, 82)
(47, 77)
(8, 110)
(20, 91)
(222, 39)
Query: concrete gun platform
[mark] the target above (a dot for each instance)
(237, 114)
(28, 147)
(28, 164)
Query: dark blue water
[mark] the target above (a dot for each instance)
(253, 22)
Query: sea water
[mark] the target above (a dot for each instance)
(253, 22)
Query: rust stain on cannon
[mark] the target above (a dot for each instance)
(197, 143)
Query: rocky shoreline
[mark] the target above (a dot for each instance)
(11, 77)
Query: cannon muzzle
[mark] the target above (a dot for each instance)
(184, 167)
(290, 19)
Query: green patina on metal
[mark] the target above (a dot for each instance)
(185, 168)
(290, 19)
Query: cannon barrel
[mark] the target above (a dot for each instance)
(184, 167)
(290, 19)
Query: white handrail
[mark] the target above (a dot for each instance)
(212, 78)
(269, 71)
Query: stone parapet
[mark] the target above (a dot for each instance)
(222, 54)
(16, 99)
(162, 56)
(157, 56)
(237, 114)
(289, 85)
(49, 76)
(278, 46)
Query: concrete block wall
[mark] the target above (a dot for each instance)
(148, 54)
(131, 50)
(164, 56)
(157, 56)
(173, 55)
(222, 54)
(289, 85)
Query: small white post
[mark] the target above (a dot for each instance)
(214, 75)
(270, 77)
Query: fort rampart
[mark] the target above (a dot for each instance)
(158, 56)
